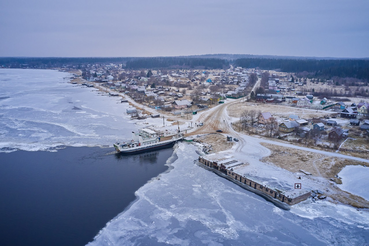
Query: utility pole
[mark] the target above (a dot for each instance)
(163, 121)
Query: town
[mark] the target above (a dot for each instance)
(336, 113)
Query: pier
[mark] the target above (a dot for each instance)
(278, 197)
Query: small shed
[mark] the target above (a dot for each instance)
(302, 122)
(331, 123)
(354, 122)
(318, 126)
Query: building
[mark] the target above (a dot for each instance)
(288, 126)
(182, 104)
(265, 118)
(318, 126)
(331, 123)
(336, 134)
(354, 122)
(348, 113)
(363, 108)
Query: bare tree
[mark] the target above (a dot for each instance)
(254, 115)
(244, 119)
(271, 127)
(253, 78)
(264, 79)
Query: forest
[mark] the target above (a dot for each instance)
(353, 68)
(177, 62)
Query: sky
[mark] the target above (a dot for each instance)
(126, 28)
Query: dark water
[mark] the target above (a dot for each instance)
(65, 198)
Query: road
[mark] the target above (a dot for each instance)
(218, 119)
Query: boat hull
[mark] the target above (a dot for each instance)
(144, 149)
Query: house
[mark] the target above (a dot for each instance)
(336, 134)
(318, 126)
(331, 123)
(288, 126)
(354, 122)
(304, 102)
(141, 89)
(269, 100)
(182, 104)
(363, 108)
(265, 118)
(262, 97)
(348, 113)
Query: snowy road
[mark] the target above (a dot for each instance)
(217, 118)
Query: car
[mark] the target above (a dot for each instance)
(219, 131)
(235, 139)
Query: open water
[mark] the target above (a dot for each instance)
(66, 197)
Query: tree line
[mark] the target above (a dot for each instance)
(355, 68)
(176, 62)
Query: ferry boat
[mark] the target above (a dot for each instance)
(146, 140)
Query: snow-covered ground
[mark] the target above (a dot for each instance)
(249, 150)
(191, 206)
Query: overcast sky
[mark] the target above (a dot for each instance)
(116, 28)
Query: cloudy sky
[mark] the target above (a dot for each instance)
(74, 28)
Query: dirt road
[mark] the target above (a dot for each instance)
(215, 119)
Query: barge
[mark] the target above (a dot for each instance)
(146, 140)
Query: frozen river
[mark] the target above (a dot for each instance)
(40, 110)
(192, 206)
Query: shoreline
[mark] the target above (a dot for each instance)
(170, 167)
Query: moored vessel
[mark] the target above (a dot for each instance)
(146, 140)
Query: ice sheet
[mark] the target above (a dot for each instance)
(355, 179)
(39, 109)
(191, 206)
